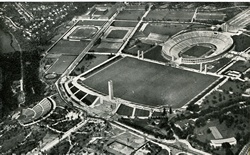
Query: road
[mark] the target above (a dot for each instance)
(88, 47)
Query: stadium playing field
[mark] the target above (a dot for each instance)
(196, 51)
(83, 32)
(148, 83)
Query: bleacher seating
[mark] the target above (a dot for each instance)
(37, 112)
(179, 43)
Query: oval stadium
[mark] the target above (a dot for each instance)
(197, 47)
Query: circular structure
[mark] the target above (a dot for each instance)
(50, 76)
(83, 32)
(197, 47)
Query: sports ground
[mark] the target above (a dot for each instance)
(148, 83)
(196, 51)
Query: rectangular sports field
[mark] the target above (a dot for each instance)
(62, 64)
(130, 14)
(69, 47)
(196, 51)
(117, 34)
(169, 15)
(148, 83)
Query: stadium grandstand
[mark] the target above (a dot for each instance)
(76, 95)
(39, 112)
(178, 45)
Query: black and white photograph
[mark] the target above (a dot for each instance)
(124, 77)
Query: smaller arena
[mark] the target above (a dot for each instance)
(83, 32)
(197, 47)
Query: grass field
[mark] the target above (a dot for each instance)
(89, 61)
(240, 66)
(165, 29)
(125, 110)
(91, 22)
(210, 16)
(118, 23)
(140, 46)
(141, 112)
(241, 42)
(62, 64)
(169, 15)
(83, 32)
(69, 47)
(148, 83)
(196, 51)
(155, 54)
(117, 34)
(130, 14)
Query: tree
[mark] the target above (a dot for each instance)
(146, 7)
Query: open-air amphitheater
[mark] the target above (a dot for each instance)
(40, 111)
(181, 43)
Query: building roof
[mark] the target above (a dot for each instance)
(217, 142)
(216, 133)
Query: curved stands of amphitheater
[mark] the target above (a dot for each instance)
(177, 44)
(39, 112)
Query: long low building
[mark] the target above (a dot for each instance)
(219, 142)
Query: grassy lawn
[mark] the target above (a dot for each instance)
(62, 64)
(218, 64)
(117, 34)
(215, 66)
(89, 61)
(130, 14)
(118, 23)
(167, 15)
(164, 29)
(92, 22)
(210, 16)
(140, 46)
(241, 42)
(141, 112)
(125, 110)
(134, 79)
(155, 54)
(69, 47)
(84, 32)
(240, 66)
(196, 51)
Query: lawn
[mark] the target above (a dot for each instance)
(117, 34)
(196, 51)
(130, 14)
(141, 112)
(125, 110)
(240, 66)
(92, 22)
(62, 64)
(155, 54)
(69, 47)
(148, 83)
(170, 15)
(83, 32)
(134, 49)
(89, 61)
(210, 16)
(118, 23)
(165, 29)
(241, 42)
